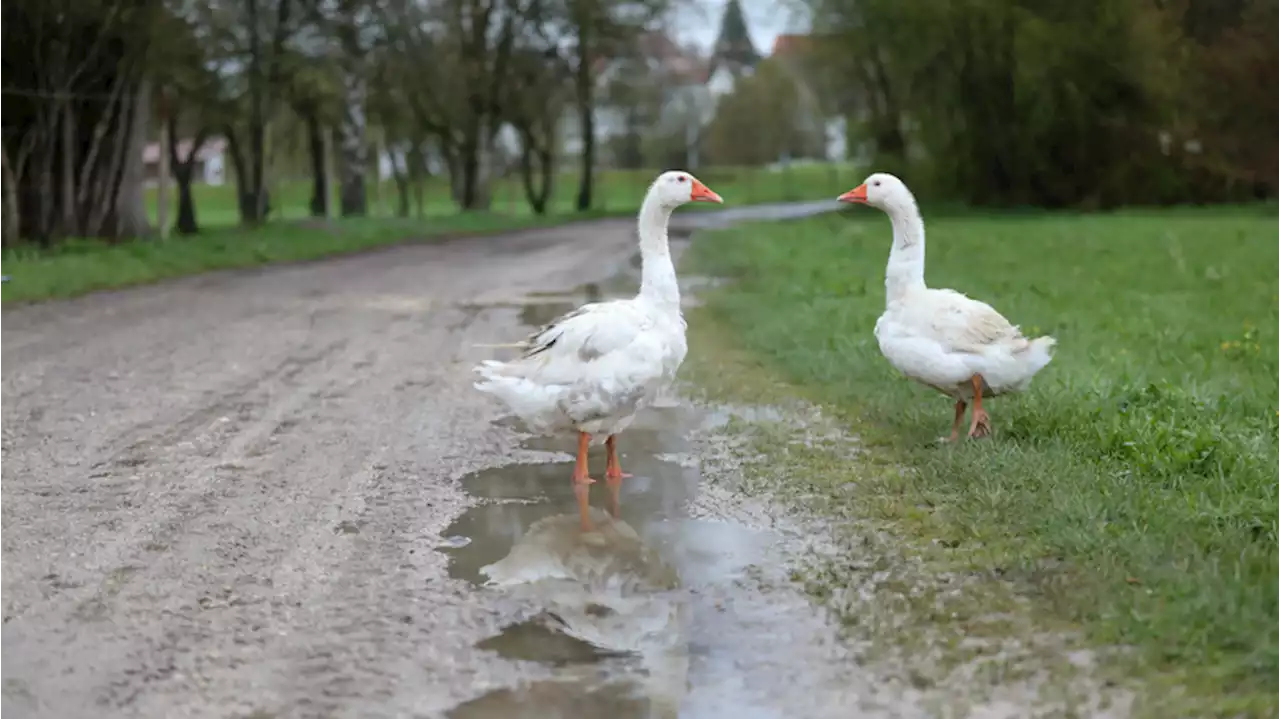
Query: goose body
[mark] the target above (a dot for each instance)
(593, 369)
(943, 339)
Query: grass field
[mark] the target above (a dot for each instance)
(616, 191)
(1132, 490)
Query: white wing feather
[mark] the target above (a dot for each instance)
(597, 362)
(967, 325)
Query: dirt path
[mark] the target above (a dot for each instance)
(228, 495)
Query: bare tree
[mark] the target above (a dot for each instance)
(534, 107)
(454, 59)
(246, 41)
(189, 105)
(354, 28)
(76, 112)
(314, 93)
(594, 31)
(23, 140)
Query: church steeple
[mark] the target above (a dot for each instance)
(733, 46)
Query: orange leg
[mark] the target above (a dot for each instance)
(955, 425)
(581, 482)
(613, 476)
(981, 424)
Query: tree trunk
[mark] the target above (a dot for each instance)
(586, 123)
(451, 167)
(400, 173)
(186, 224)
(537, 190)
(123, 198)
(130, 218)
(70, 223)
(254, 203)
(474, 162)
(245, 201)
(320, 180)
(548, 175)
(162, 178)
(78, 167)
(10, 216)
(353, 151)
(417, 170)
(469, 166)
(183, 174)
(45, 198)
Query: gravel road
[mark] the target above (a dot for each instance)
(268, 493)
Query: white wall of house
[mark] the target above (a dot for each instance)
(210, 163)
(721, 82)
(610, 122)
(215, 169)
(837, 139)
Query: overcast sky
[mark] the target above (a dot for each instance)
(699, 22)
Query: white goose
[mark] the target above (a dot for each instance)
(594, 368)
(941, 338)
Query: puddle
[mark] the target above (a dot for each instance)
(558, 700)
(656, 613)
(537, 314)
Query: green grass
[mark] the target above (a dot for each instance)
(617, 191)
(79, 266)
(1132, 489)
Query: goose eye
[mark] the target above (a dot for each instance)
(681, 178)
(876, 183)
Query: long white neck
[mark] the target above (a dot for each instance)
(905, 271)
(657, 273)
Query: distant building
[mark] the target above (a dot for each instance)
(676, 75)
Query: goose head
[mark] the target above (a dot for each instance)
(678, 187)
(883, 191)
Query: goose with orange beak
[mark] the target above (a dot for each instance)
(593, 369)
(959, 346)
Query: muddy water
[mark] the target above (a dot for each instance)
(660, 612)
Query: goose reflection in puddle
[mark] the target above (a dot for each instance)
(611, 620)
(618, 616)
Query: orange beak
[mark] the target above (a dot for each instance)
(702, 193)
(857, 195)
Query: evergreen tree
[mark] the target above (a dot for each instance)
(734, 43)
